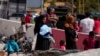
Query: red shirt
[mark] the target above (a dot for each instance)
(97, 26)
(28, 19)
(89, 43)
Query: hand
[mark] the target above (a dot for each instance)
(76, 39)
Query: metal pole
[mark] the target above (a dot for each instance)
(72, 6)
(1, 9)
(42, 5)
(17, 6)
(25, 5)
(79, 6)
(83, 7)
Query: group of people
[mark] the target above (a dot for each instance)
(14, 42)
(43, 28)
(71, 26)
(87, 25)
(43, 25)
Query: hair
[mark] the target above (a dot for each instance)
(49, 9)
(87, 14)
(91, 34)
(12, 37)
(68, 22)
(62, 42)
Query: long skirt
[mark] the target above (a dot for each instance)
(46, 44)
(39, 42)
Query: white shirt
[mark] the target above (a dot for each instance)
(87, 25)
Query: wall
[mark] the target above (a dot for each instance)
(60, 35)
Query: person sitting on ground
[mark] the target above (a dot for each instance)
(11, 46)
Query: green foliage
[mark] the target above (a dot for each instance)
(89, 5)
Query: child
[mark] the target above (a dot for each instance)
(62, 45)
(76, 26)
(11, 46)
(89, 43)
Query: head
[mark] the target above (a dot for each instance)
(70, 19)
(91, 34)
(76, 22)
(62, 42)
(87, 14)
(51, 10)
(12, 37)
(42, 19)
(28, 13)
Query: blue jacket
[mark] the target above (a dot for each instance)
(45, 29)
(11, 46)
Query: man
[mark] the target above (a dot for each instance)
(51, 17)
(87, 24)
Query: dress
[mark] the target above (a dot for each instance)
(70, 38)
(38, 24)
(45, 33)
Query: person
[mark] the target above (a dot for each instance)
(11, 46)
(97, 26)
(87, 24)
(62, 45)
(28, 17)
(45, 32)
(38, 23)
(70, 33)
(89, 43)
(76, 26)
(51, 17)
(23, 27)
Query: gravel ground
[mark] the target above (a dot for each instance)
(56, 52)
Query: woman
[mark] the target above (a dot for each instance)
(70, 33)
(45, 32)
(38, 23)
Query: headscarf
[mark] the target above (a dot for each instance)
(69, 22)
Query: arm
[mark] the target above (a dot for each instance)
(17, 47)
(5, 47)
(53, 18)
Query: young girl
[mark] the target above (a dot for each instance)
(76, 26)
(62, 45)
